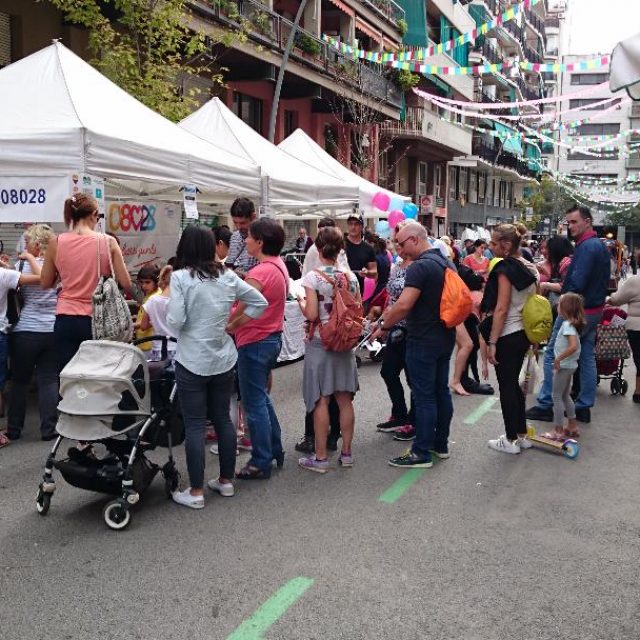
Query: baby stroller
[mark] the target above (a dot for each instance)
(113, 397)
(612, 349)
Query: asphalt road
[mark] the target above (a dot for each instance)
(482, 546)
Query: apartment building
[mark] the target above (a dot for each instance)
(594, 163)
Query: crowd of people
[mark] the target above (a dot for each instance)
(222, 297)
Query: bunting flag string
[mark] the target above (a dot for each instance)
(426, 52)
(587, 91)
(574, 124)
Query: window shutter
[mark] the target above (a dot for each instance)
(5, 39)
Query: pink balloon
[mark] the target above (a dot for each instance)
(395, 217)
(381, 201)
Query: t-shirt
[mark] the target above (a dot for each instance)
(423, 321)
(39, 310)
(8, 280)
(312, 261)
(156, 308)
(145, 346)
(481, 267)
(239, 257)
(562, 344)
(313, 280)
(359, 257)
(274, 278)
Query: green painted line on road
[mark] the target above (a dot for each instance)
(401, 485)
(269, 613)
(478, 412)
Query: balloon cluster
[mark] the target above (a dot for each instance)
(398, 210)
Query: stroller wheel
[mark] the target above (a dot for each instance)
(116, 515)
(43, 502)
(624, 387)
(615, 387)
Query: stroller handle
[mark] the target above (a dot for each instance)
(164, 339)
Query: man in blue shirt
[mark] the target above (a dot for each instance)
(588, 276)
(429, 345)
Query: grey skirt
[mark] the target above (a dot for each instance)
(326, 372)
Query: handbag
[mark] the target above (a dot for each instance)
(612, 343)
(15, 301)
(111, 317)
(530, 374)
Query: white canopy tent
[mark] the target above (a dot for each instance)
(625, 67)
(300, 145)
(290, 183)
(58, 115)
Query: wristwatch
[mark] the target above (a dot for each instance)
(381, 323)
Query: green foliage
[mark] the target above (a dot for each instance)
(405, 79)
(547, 199)
(145, 47)
(262, 22)
(308, 44)
(403, 27)
(629, 218)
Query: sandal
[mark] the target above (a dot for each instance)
(570, 434)
(4, 440)
(556, 436)
(252, 473)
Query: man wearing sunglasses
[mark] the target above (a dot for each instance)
(429, 346)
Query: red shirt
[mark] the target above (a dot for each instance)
(274, 279)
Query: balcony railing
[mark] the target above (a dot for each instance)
(272, 30)
(387, 9)
(489, 52)
(502, 158)
(535, 22)
(532, 55)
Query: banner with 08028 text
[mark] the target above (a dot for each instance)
(32, 198)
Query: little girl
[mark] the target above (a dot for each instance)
(567, 353)
(154, 315)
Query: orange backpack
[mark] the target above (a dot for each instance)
(456, 302)
(343, 330)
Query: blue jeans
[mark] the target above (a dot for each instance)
(586, 366)
(428, 365)
(255, 362)
(201, 397)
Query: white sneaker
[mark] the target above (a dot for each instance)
(524, 443)
(225, 489)
(187, 500)
(214, 449)
(503, 444)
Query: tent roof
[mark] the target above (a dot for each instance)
(300, 145)
(59, 115)
(292, 183)
(625, 67)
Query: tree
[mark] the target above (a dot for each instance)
(146, 48)
(547, 199)
(629, 218)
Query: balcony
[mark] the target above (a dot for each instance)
(536, 23)
(387, 9)
(421, 122)
(502, 159)
(488, 51)
(492, 6)
(532, 55)
(271, 31)
(633, 163)
(455, 14)
(635, 110)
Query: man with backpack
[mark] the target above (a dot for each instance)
(429, 345)
(588, 276)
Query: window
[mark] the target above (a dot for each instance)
(453, 183)
(589, 78)
(509, 197)
(482, 185)
(598, 129)
(249, 110)
(583, 103)
(290, 122)
(421, 182)
(496, 192)
(437, 181)
(463, 183)
(473, 187)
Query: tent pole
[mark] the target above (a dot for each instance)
(285, 59)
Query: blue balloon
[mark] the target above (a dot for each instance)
(396, 204)
(383, 229)
(410, 210)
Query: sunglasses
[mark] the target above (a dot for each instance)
(401, 243)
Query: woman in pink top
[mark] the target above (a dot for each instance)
(259, 342)
(72, 258)
(477, 261)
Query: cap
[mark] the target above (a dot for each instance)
(357, 218)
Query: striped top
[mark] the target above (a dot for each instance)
(39, 311)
